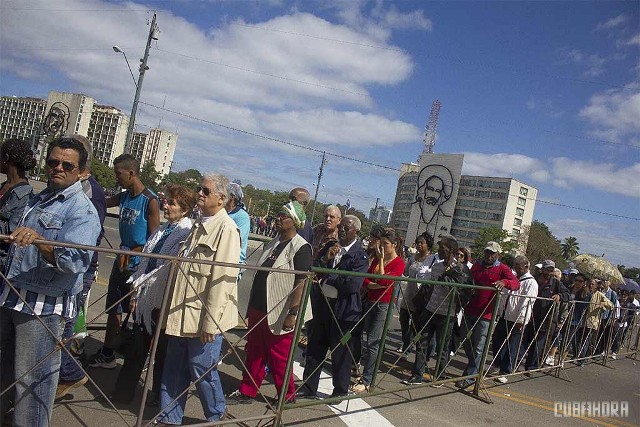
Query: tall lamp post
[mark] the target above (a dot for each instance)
(153, 35)
(117, 49)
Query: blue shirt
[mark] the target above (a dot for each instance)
(133, 221)
(64, 216)
(242, 220)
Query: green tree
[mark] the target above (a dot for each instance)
(103, 174)
(150, 177)
(542, 244)
(569, 248)
(493, 234)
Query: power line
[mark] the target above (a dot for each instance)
(270, 138)
(262, 73)
(47, 9)
(316, 150)
(65, 48)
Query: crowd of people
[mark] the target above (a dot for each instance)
(540, 320)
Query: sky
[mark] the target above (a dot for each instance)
(544, 92)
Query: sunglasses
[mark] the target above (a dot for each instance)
(282, 216)
(206, 191)
(67, 166)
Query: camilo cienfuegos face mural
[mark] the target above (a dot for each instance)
(435, 187)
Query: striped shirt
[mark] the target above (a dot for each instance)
(36, 303)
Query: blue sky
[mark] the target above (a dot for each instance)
(546, 92)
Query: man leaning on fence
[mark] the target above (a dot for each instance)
(204, 305)
(491, 273)
(42, 281)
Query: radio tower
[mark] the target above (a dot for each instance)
(430, 134)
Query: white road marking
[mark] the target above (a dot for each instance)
(354, 412)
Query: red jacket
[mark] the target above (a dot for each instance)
(482, 302)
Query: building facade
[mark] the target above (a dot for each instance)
(405, 195)
(160, 148)
(138, 145)
(492, 201)
(21, 117)
(107, 132)
(380, 215)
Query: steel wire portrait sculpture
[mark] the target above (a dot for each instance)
(435, 188)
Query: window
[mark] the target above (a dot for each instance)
(515, 232)
(524, 191)
(519, 211)
(522, 201)
(482, 193)
(517, 222)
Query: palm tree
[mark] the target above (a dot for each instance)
(569, 248)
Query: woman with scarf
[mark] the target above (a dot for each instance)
(274, 305)
(150, 280)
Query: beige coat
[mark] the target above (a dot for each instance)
(598, 303)
(217, 239)
(280, 285)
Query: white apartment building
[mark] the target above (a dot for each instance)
(380, 215)
(21, 117)
(138, 145)
(492, 201)
(161, 146)
(405, 195)
(107, 133)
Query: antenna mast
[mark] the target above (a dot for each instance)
(430, 134)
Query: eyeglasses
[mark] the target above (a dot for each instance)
(282, 216)
(460, 254)
(67, 166)
(206, 191)
(344, 227)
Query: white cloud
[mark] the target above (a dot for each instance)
(592, 64)
(613, 114)
(613, 22)
(635, 40)
(562, 172)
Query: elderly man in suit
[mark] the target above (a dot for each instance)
(341, 295)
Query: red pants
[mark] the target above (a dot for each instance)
(264, 348)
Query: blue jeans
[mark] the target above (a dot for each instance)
(506, 349)
(372, 334)
(474, 345)
(188, 359)
(24, 343)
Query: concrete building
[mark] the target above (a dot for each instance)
(139, 145)
(492, 201)
(405, 195)
(161, 146)
(80, 108)
(380, 215)
(107, 133)
(21, 118)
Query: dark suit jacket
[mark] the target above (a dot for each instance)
(348, 305)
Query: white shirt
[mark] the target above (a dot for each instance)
(328, 290)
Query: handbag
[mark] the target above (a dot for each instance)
(127, 342)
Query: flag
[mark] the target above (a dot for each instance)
(348, 205)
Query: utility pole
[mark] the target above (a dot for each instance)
(375, 211)
(315, 197)
(153, 35)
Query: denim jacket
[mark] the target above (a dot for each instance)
(64, 216)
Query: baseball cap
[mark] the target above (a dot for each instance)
(548, 263)
(493, 247)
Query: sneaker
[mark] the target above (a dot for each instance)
(550, 361)
(415, 379)
(502, 379)
(400, 350)
(452, 354)
(64, 387)
(462, 384)
(614, 356)
(237, 397)
(360, 388)
(102, 361)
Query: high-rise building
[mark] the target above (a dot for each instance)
(21, 118)
(161, 145)
(138, 145)
(492, 201)
(107, 133)
(380, 215)
(405, 196)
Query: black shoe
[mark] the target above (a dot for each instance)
(304, 393)
(237, 397)
(414, 380)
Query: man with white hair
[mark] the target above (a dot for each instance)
(327, 231)
(203, 306)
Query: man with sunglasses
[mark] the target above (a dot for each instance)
(43, 281)
(139, 218)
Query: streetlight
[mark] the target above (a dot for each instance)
(117, 49)
(153, 35)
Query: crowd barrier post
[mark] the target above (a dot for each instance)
(487, 344)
